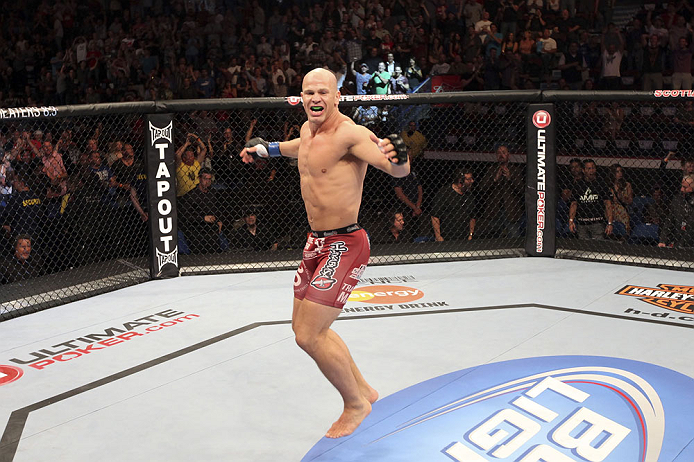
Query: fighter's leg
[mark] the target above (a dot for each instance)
(367, 390)
(311, 323)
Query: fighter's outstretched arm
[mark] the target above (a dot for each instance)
(382, 154)
(273, 149)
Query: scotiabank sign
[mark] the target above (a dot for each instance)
(551, 409)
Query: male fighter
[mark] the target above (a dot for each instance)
(333, 154)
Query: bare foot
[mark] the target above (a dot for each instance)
(349, 420)
(369, 393)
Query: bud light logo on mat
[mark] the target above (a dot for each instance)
(545, 409)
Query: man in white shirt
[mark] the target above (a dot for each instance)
(482, 26)
(548, 52)
(611, 61)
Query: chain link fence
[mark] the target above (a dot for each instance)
(74, 188)
(72, 209)
(616, 151)
(459, 201)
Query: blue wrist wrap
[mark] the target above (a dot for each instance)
(273, 149)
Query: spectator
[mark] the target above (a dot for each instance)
(391, 64)
(200, 216)
(590, 205)
(670, 183)
(205, 85)
(53, 168)
(572, 64)
(656, 212)
(362, 78)
(622, 196)
(503, 185)
(495, 40)
(22, 264)
(395, 232)
(415, 141)
(129, 178)
(611, 60)
(25, 211)
(454, 214)
(189, 163)
(472, 11)
(492, 71)
(409, 192)
(251, 236)
(653, 63)
(414, 74)
(398, 82)
(679, 226)
(380, 80)
(482, 27)
(187, 91)
(548, 51)
(682, 65)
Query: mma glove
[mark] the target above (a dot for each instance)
(400, 148)
(263, 148)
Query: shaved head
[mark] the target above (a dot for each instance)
(321, 75)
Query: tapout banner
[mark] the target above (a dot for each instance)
(540, 191)
(161, 190)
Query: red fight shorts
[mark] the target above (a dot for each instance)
(332, 265)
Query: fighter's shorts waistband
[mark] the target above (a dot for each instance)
(346, 230)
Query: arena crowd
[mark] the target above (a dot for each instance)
(57, 181)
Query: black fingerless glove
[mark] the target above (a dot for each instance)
(400, 148)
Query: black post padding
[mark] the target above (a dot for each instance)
(161, 193)
(540, 191)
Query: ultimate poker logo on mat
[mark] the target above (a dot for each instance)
(545, 409)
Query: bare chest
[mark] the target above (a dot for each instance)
(319, 156)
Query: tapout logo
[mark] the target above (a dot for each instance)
(294, 100)
(164, 189)
(542, 119)
(9, 374)
(385, 294)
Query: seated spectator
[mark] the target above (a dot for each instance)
(409, 192)
(671, 182)
(395, 231)
(251, 236)
(199, 216)
(414, 140)
(22, 264)
(502, 184)
(656, 212)
(188, 164)
(454, 214)
(622, 196)
(25, 211)
(679, 225)
(590, 204)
